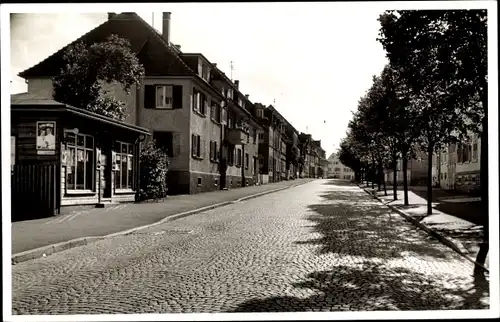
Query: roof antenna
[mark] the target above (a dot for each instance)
(231, 65)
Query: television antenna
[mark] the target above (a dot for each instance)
(231, 65)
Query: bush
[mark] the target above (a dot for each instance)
(153, 172)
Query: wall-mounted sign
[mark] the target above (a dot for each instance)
(45, 137)
(12, 152)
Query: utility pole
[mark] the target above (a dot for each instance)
(231, 65)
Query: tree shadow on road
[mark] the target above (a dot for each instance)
(369, 287)
(355, 225)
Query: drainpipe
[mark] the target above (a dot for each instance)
(137, 144)
(243, 184)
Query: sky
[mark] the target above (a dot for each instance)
(314, 60)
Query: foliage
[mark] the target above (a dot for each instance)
(87, 67)
(153, 172)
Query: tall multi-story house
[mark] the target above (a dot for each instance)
(239, 136)
(305, 142)
(272, 149)
(176, 100)
(292, 151)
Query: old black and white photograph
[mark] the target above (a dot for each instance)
(334, 160)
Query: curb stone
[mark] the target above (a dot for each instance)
(82, 241)
(455, 245)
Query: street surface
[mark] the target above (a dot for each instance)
(321, 246)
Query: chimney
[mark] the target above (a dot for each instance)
(247, 96)
(215, 65)
(178, 47)
(166, 27)
(237, 84)
(111, 15)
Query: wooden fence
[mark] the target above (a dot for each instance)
(34, 191)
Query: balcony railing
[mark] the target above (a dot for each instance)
(237, 136)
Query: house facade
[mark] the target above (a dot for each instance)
(336, 170)
(457, 167)
(177, 100)
(273, 147)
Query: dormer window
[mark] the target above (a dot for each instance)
(205, 72)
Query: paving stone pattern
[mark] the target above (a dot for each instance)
(322, 246)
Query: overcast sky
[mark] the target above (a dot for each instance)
(314, 59)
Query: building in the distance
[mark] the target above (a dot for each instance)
(337, 170)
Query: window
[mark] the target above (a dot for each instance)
(260, 113)
(196, 146)
(247, 161)
(200, 102)
(215, 112)
(214, 155)
(199, 181)
(216, 182)
(164, 97)
(238, 157)
(261, 136)
(196, 100)
(164, 140)
(80, 162)
(254, 136)
(124, 165)
(204, 72)
(474, 151)
(231, 155)
(261, 161)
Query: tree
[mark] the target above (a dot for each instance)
(153, 172)
(455, 42)
(88, 67)
(411, 39)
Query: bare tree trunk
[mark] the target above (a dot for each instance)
(379, 179)
(484, 246)
(405, 178)
(383, 178)
(395, 177)
(429, 178)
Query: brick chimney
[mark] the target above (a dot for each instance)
(166, 27)
(237, 84)
(111, 15)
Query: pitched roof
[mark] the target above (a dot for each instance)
(32, 99)
(28, 101)
(156, 55)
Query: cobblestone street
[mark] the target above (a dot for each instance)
(322, 246)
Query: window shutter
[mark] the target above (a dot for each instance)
(202, 146)
(194, 144)
(176, 142)
(177, 97)
(149, 96)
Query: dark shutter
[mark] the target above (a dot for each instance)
(176, 141)
(194, 145)
(177, 97)
(149, 96)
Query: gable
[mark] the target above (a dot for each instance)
(149, 46)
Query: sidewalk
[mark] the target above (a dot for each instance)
(466, 235)
(29, 235)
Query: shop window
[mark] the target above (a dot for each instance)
(79, 162)
(124, 155)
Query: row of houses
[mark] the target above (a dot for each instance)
(216, 138)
